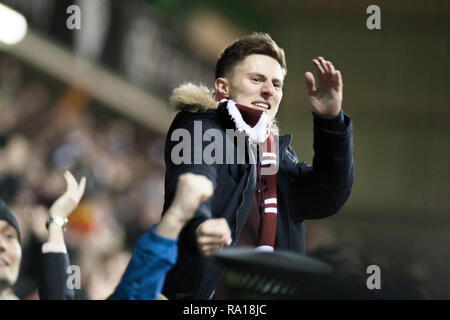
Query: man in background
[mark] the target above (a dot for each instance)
(54, 258)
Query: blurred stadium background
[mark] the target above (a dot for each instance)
(93, 101)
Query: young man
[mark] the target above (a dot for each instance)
(260, 202)
(54, 258)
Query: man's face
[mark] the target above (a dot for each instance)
(257, 82)
(10, 254)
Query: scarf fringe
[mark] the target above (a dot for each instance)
(257, 134)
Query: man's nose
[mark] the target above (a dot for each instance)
(267, 89)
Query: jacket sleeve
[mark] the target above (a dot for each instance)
(321, 190)
(53, 277)
(196, 130)
(190, 264)
(152, 258)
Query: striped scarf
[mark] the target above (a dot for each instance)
(255, 124)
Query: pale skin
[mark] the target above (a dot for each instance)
(325, 96)
(192, 189)
(257, 82)
(10, 257)
(64, 205)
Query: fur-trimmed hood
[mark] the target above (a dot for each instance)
(197, 97)
(192, 97)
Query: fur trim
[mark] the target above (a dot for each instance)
(192, 97)
(197, 97)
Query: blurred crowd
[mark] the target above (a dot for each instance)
(350, 259)
(47, 128)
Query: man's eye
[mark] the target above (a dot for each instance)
(10, 236)
(255, 79)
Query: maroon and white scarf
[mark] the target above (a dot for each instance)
(256, 125)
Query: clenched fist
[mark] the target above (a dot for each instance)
(192, 189)
(212, 235)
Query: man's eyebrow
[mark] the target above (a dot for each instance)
(7, 227)
(257, 74)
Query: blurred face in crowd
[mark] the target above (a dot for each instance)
(256, 82)
(10, 254)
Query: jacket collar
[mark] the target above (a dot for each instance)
(192, 97)
(196, 98)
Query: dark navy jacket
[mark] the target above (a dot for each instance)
(304, 192)
(53, 277)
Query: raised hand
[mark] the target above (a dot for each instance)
(69, 200)
(325, 96)
(192, 189)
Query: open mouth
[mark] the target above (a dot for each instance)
(262, 105)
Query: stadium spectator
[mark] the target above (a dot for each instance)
(54, 258)
(264, 205)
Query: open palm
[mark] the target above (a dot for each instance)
(69, 200)
(325, 96)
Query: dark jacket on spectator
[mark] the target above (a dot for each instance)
(304, 192)
(53, 284)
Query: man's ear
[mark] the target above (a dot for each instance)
(222, 86)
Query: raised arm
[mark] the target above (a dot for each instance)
(321, 190)
(156, 251)
(54, 258)
(60, 210)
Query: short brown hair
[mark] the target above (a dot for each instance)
(255, 43)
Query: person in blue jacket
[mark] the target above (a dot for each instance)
(156, 251)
